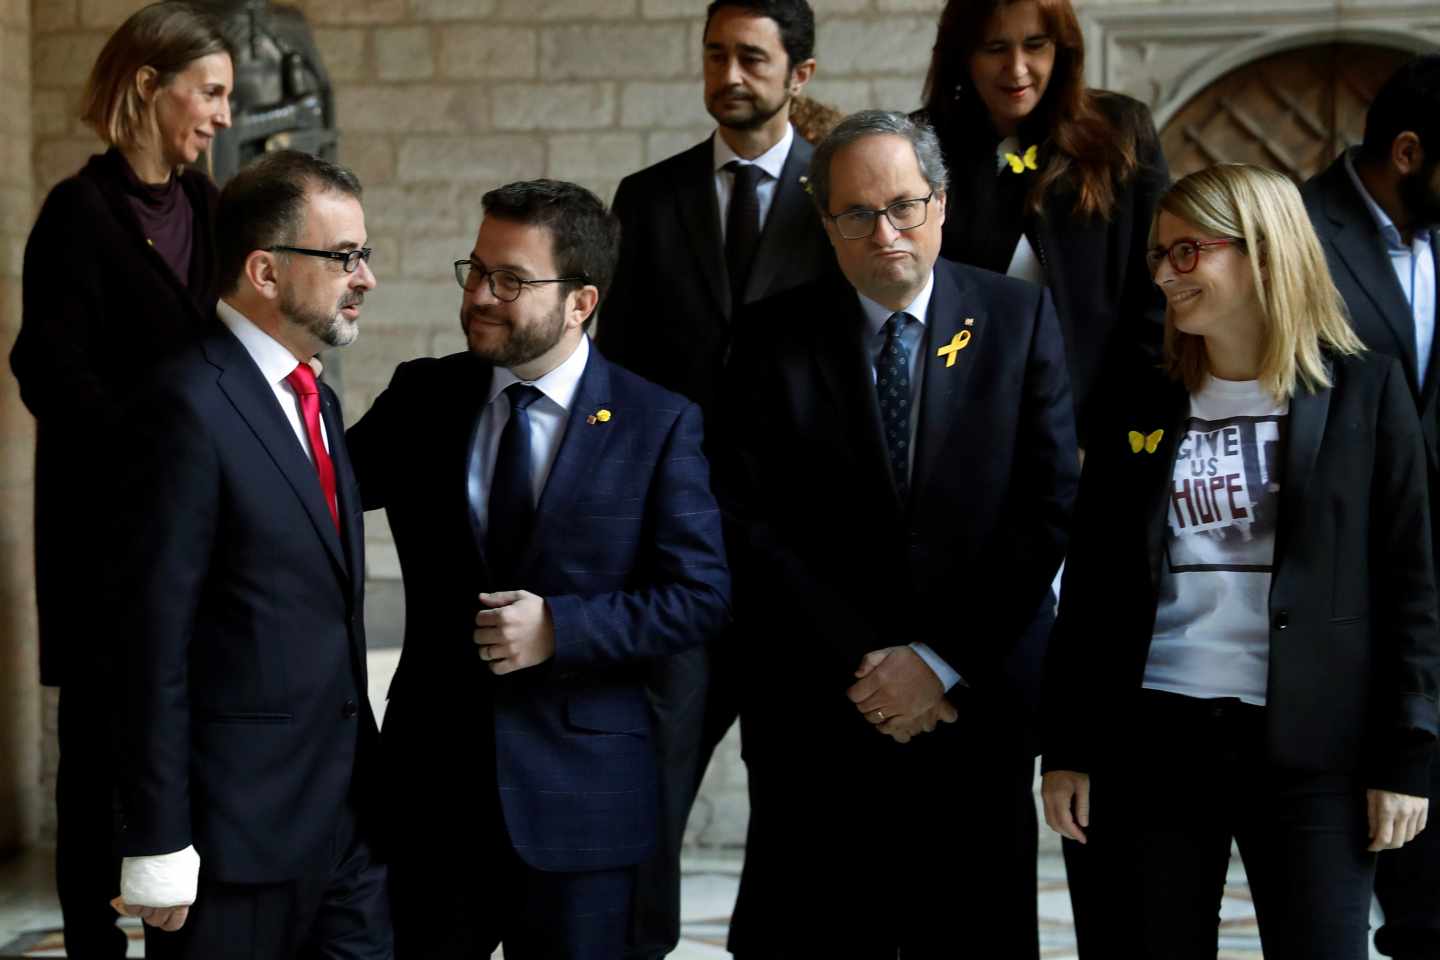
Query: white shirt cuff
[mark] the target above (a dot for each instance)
(166, 880)
(948, 677)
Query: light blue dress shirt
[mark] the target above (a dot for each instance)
(1414, 265)
(913, 336)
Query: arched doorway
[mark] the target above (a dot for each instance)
(1293, 111)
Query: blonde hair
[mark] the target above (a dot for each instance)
(167, 37)
(1304, 315)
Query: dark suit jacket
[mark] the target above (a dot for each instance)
(239, 607)
(1354, 648)
(1361, 268)
(627, 552)
(101, 308)
(830, 562)
(668, 316)
(1094, 266)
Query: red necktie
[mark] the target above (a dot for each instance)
(302, 379)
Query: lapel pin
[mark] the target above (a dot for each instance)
(599, 416)
(1019, 163)
(1147, 442)
(957, 343)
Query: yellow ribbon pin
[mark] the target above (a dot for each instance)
(1019, 164)
(1140, 441)
(957, 343)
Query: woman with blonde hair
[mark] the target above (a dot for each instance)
(1248, 650)
(119, 271)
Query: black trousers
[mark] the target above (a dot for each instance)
(1407, 884)
(1161, 832)
(924, 850)
(340, 910)
(87, 868)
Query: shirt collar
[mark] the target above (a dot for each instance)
(274, 359)
(1388, 230)
(772, 161)
(559, 384)
(919, 308)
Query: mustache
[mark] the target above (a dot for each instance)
(352, 300)
(735, 92)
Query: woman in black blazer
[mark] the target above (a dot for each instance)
(119, 270)
(1248, 647)
(1050, 181)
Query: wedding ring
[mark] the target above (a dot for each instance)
(880, 715)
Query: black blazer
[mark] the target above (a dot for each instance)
(1094, 267)
(101, 308)
(627, 551)
(668, 314)
(1378, 311)
(1354, 642)
(830, 562)
(242, 645)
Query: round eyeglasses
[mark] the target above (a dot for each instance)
(349, 259)
(1184, 255)
(504, 284)
(902, 214)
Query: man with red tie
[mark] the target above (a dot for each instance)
(246, 736)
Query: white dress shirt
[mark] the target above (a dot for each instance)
(276, 362)
(772, 161)
(170, 879)
(1414, 265)
(548, 417)
(913, 336)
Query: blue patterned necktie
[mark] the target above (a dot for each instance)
(892, 384)
(511, 511)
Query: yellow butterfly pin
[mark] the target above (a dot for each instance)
(1149, 443)
(1019, 164)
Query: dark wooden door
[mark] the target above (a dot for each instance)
(1294, 111)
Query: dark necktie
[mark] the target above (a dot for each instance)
(302, 381)
(892, 384)
(512, 497)
(742, 228)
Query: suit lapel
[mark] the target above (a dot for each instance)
(1365, 257)
(579, 450)
(346, 492)
(1171, 413)
(785, 226)
(694, 182)
(456, 447)
(1308, 414)
(254, 400)
(944, 387)
(846, 369)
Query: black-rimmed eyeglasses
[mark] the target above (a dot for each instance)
(902, 214)
(349, 259)
(504, 285)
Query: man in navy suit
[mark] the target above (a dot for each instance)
(556, 531)
(247, 737)
(898, 456)
(1377, 213)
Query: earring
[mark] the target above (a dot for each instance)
(959, 89)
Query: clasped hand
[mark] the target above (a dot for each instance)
(168, 919)
(899, 693)
(514, 631)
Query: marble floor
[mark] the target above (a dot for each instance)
(30, 917)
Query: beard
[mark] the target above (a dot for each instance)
(333, 329)
(1421, 196)
(760, 112)
(524, 343)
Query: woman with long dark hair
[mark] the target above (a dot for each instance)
(1248, 650)
(119, 271)
(1051, 181)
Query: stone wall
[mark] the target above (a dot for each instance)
(20, 700)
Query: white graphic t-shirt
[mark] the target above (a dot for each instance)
(1212, 628)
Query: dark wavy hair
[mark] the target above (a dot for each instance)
(1088, 151)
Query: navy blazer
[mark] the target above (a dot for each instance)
(1354, 644)
(830, 562)
(668, 315)
(238, 603)
(627, 552)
